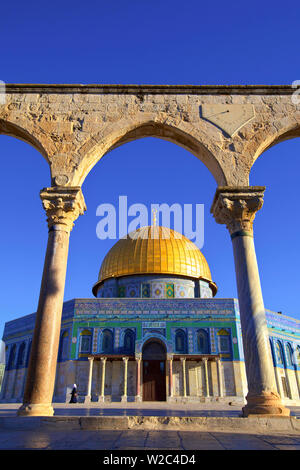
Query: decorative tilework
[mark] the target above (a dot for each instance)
(212, 340)
(146, 290)
(157, 290)
(121, 291)
(188, 314)
(132, 290)
(169, 292)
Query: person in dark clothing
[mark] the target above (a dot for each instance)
(74, 394)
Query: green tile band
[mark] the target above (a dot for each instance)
(241, 233)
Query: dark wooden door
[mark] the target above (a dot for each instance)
(154, 381)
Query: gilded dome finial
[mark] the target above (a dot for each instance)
(154, 217)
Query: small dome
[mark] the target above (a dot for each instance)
(155, 250)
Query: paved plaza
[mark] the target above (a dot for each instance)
(137, 409)
(18, 438)
(145, 440)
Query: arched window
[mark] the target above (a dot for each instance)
(279, 353)
(180, 341)
(107, 341)
(85, 341)
(63, 347)
(12, 355)
(298, 355)
(224, 341)
(289, 351)
(28, 353)
(272, 351)
(129, 341)
(21, 356)
(202, 342)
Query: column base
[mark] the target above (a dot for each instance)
(35, 410)
(265, 404)
(87, 399)
(138, 398)
(101, 399)
(124, 398)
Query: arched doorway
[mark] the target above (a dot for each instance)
(154, 371)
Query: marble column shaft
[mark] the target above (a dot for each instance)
(89, 388)
(103, 361)
(206, 377)
(184, 375)
(125, 360)
(63, 206)
(138, 377)
(171, 377)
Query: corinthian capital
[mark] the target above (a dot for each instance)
(236, 207)
(63, 205)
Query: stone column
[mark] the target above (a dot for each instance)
(220, 377)
(63, 205)
(206, 377)
(125, 360)
(138, 359)
(236, 207)
(89, 388)
(102, 396)
(182, 359)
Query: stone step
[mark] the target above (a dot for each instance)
(251, 424)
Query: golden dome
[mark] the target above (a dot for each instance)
(155, 250)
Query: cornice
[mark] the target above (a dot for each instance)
(149, 89)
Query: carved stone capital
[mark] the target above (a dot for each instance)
(63, 205)
(236, 207)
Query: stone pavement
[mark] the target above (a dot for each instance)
(145, 440)
(14, 435)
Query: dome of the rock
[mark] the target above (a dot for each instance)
(155, 250)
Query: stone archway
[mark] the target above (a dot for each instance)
(154, 371)
(224, 126)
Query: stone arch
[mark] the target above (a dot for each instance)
(122, 132)
(263, 140)
(31, 137)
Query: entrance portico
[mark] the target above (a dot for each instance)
(157, 377)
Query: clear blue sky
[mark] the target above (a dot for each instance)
(160, 42)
